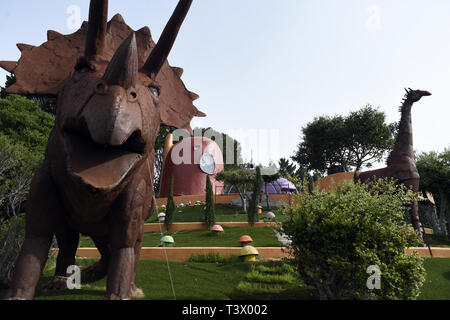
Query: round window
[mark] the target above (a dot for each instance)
(207, 164)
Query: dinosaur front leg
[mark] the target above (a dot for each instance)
(135, 292)
(29, 267)
(126, 228)
(42, 220)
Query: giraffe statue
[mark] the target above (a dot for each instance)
(401, 163)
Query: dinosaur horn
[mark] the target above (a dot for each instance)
(96, 36)
(123, 68)
(162, 49)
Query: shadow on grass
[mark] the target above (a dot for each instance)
(446, 275)
(300, 293)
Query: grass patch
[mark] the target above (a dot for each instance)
(273, 280)
(213, 258)
(262, 237)
(261, 277)
(258, 288)
(224, 213)
(437, 285)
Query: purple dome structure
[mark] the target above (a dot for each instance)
(279, 186)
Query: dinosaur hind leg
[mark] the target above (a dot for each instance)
(68, 240)
(98, 270)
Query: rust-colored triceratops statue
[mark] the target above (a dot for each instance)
(114, 87)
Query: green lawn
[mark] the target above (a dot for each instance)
(192, 281)
(224, 213)
(237, 280)
(262, 237)
(437, 285)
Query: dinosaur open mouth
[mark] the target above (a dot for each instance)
(102, 166)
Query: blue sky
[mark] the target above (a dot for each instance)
(272, 66)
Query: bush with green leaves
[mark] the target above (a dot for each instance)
(17, 165)
(12, 233)
(24, 123)
(337, 236)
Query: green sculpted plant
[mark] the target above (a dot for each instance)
(253, 207)
(210, 213)
(350, 243)
(170, 208)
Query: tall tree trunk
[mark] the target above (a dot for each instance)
(242, 194)
(432, 218)
(267, 198)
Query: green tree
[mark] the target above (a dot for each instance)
(358, 140)
(210, 213)
(17, 165)
(253, 206)
(24, 123)
(10, 80)
(24, 131)
(46, 104)
(338, 236)
(434, 171)
(286, 168)
(12, 234)
(368, 136)
(241, 180)
(170, 207)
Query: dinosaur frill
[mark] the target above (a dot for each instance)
(43, 70)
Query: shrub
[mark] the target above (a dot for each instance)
(213, 258)
(12, 233)
(336, 236)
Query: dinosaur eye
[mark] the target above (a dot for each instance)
(155, 91)
(100, 88)
(133, 94)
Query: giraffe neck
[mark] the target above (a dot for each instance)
(404, 149)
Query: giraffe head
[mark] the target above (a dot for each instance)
(415, 95)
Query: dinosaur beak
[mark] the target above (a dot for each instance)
(426, 94)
